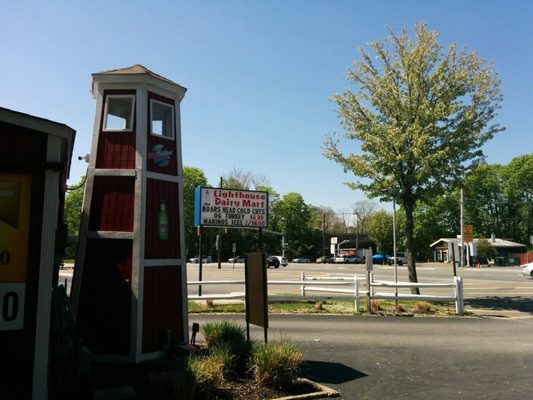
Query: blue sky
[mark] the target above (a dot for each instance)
(259, 74)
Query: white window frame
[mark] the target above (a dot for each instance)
(132, 113)
(173, 129)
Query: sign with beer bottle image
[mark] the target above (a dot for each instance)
(162, 221)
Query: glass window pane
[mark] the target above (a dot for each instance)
(162, 119)
(119, 113)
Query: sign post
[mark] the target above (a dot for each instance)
(369, 268)
(234, 249)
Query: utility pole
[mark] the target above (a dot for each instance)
(323, 234)
(219, 236)
(462, 257)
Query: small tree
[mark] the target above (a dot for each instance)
(486, 250)
(420, 114)
(379, 228)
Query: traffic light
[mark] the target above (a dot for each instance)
(197, 231)
(225, 230)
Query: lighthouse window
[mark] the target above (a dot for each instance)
(162, 122)
(119, 113)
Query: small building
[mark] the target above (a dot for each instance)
(129, 290)
(445, 247)
(35, 155)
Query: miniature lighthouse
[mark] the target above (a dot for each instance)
(129, 290)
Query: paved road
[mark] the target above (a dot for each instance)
(410, 358)
(495, 291)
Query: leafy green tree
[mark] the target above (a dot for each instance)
(379, 227)
(192, 178)
(434, 220)
(486, 206)
(293, 218)
(421, 114)
(485, 249)
(72, 213)
(519, 177)
(73, 205)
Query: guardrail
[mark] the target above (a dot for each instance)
(327, 284)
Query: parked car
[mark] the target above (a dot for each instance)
(346, 258)
(324, 259)
(379, 258)
(282, 260)
(196, 260)
(272, 261)
(301, 260)
(527, 269)
(237, 259)
(401, 259)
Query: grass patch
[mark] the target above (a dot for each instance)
(276, 364)
(334, 306)
(203, 308)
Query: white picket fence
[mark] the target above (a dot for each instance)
(346, 285)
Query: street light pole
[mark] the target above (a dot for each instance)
(394, 251)
(339, 246)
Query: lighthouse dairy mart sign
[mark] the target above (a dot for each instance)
(230, 208)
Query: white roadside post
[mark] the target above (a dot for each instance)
(459, 298)
(356, 293)
(369, 268)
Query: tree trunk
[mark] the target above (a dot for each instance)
(409, 241)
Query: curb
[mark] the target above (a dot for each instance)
(321, 393)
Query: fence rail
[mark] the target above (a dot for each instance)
(327, 285)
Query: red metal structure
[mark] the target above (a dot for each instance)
(129, 291)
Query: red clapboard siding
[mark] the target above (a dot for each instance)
(105, 301)
(162, 310)
(155, 193)
(20, 144)
(116, 150)
(112, 204)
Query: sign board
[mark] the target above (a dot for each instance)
(333, 240)
(368, 260)
(230, 208)
(468, 233)
(15, 191)
(332, 249)
(531, 239)
(234, 247)
(256, 289)
(12, 297)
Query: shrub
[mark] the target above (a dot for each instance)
(375, 305)
(210, 370)
(276, 364)
(230, 335)
(423, 306)
(400, 308)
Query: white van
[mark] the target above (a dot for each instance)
(401, 258)
(282, 261)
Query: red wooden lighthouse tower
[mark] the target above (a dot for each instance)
(129, 291)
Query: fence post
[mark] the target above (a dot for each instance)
(459, 298)
(356, 293)
(302, 287)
